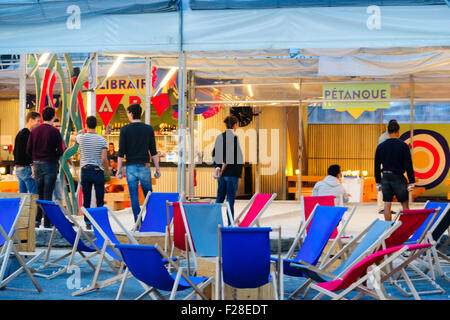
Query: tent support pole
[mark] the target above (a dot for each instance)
(148, 89)
(411, 127)
(300, 139)
(257, 167)
(191, 110)
(22, 90)
(93, 70)
(284, 154)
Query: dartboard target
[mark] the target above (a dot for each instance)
(430, 155)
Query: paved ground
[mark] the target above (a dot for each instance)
(281, 213)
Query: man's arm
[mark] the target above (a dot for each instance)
(377, 165)
(409, 165)
(121, 152)
(105, 161)
(154, 154)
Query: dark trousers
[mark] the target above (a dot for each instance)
(92, 177)
(227, 186)
(45, 176)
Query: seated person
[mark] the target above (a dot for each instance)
(113, 165)
(331, 186)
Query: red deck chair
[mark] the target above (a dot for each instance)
(254, 209)
(411, 220)
(309, 203)
(356, 277)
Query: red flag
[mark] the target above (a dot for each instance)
(106, 105)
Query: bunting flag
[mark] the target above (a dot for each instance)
(106, 105)
(161, 101)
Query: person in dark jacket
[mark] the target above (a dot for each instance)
(45, 146)
(228, 163)
(395, 158)
(22, 161)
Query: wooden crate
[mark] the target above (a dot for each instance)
(26, 223)
(116, 201)
(206, 267)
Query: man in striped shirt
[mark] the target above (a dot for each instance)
(93, 163)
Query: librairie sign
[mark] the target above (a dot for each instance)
(356, 97)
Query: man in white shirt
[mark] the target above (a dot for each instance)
(331, 186)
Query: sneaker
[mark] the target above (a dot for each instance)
(381, 211)
(37, 224)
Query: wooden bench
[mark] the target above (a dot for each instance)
(121, 199)
(308, 183)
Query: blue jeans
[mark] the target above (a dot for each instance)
(45, 175)
(136, 174)
(227, 186)
(26, 182)
(92, 177)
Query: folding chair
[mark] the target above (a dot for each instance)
(254, 209)
(147, 264)
(201, 220)
(62, 222)
(411, 221)
(155, 216)
(358, 248)
(244, 260)
(359, 274)
(106, 240)
(11, 209)
(308, 204)
(322, 221)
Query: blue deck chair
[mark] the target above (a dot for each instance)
(316, 233)
(202, 220)
(62, 222)
(147, 264)
(155, 214)
(244, 260)
(106, 240)
(10, 210)
(364, 244)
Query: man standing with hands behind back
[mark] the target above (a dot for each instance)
(395, 157)
(137, 143)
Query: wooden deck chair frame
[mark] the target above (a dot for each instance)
(322, 269)
(277, 277)
(9, 249)
(378, 291)
(430, 261)
(248, 205)
(189, 241)
(72, 253)
(436, 255)
(395, 277)
(95, 284)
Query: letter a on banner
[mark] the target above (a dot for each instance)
(106, 105)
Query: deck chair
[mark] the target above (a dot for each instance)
(10, 212)
(201, 220)
(106, 240)
(322, 221)
(437, 228)
(155, 216)
(411, 221)
(254, 209)
(360, 274)
(309, 203)
(147, 264)
(244, 260)
(364, 244)
(62, 222)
